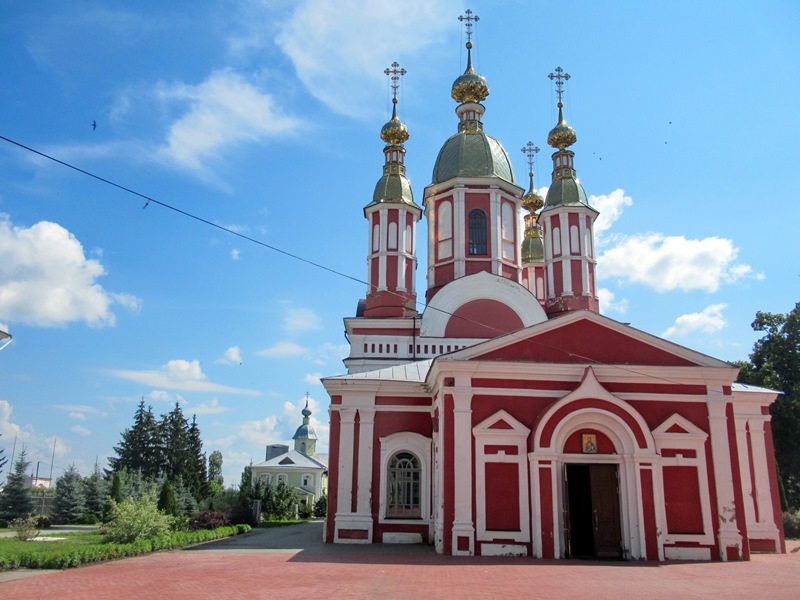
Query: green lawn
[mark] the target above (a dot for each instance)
(72, 539)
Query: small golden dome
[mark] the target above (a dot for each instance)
(562, 135)
(532, 201)
(470, 87)
(394, 132)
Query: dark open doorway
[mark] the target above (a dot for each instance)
(592, 521)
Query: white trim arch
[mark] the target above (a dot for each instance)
(631, 459)
(591, 389)
(480, 286)
(419, 446)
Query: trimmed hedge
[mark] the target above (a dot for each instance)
(89, 553)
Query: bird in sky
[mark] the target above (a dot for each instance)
(94, 125)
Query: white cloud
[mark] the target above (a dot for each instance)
(26, 436)
(80, 430)
(708, 321)
(46, 280)
(301, 319)
(212, 407)
(235, 254)
(608, 304)
(224, 111)
(340, 49)
(159, 396)
(181, 375)
(313, 378)
(232, 356)
(283, 350)
(673, 263)
(610, 207)
(80, 412)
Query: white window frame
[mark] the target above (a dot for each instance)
(419, 446)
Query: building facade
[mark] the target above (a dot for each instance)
(510, 417)
(302, 468)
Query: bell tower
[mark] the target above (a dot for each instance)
(473, 205)
(392, 217)
(567, 224)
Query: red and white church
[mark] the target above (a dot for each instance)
(511, 417)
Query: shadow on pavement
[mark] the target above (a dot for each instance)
(305, 541)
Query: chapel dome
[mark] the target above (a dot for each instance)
(472, 154)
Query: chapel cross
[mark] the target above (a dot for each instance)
(530, 150)
(560, 78)
(469, 19)
(394, 74)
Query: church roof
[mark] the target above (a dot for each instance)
(472, 154)
(413, 372)
(295, 460)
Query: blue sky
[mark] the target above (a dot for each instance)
(264, 118)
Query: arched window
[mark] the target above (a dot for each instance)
(403, 487)
(308, 480)
(444, 220)
(283, 478)
(477, 232)
(392, 236)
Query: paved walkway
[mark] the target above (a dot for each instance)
(292, 562)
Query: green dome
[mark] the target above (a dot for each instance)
(472, 154)
(532, 249)
(393, 187)
(565, 192)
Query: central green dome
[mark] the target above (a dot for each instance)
(472, 154)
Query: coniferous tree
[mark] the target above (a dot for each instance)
(95, 492)
(215, 479)
(69, 503)
(196, 479)
(116, 487)
(166, 499)
(3, 459)
(174, 435)
(139, 449)
(15, 501)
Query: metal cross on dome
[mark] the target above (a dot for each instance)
(467, 16)
(530, 150)
(394, 74)
(560, 78)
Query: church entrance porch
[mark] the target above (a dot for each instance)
(592, 511)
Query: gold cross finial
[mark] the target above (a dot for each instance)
(560, 78)
(530, 150)
(394, 74)
(467, 16)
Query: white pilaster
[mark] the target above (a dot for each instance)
(462, 467)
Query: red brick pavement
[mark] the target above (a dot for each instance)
(359, 573)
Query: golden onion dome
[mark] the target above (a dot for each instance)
(395, 131)
(532, 201)
(562, 135)
(470, 87)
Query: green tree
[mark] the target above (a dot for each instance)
(139, 449)
(95, 493)
(69, 503)
(196, 478)
(166, 499)
(243, 512)
(280, 502)
(134, 519)
(3, 459)
(215, 480)
(174, 440)
(116, 487)
(775, 363)
(15, 501)
(321, 507)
